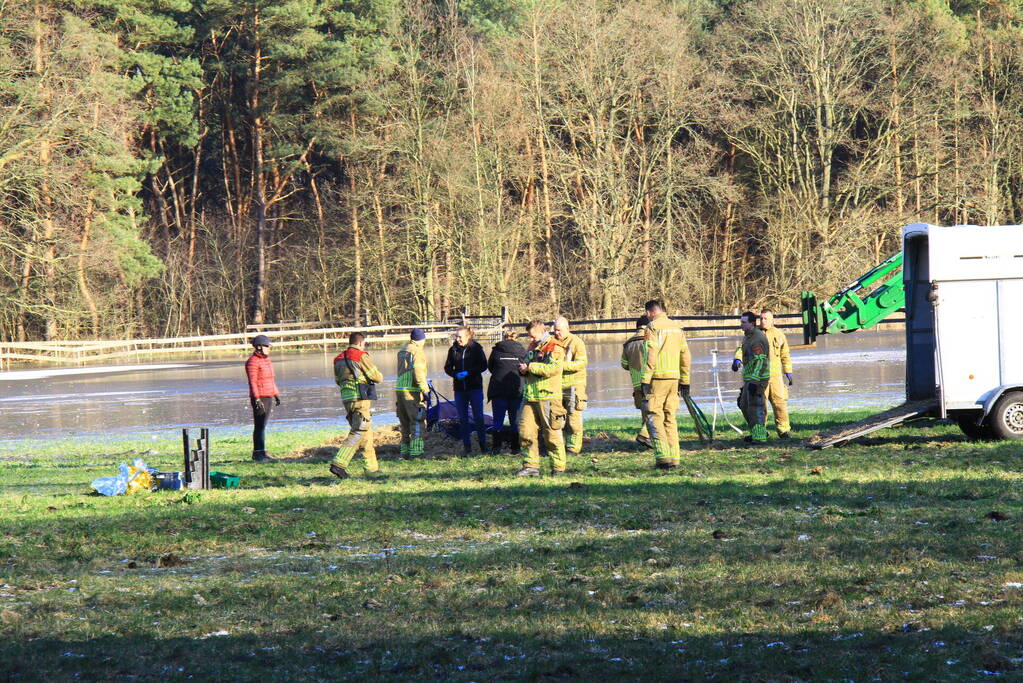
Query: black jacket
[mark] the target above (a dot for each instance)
(470, 357)
(505, 381)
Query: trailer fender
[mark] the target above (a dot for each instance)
(992, 398)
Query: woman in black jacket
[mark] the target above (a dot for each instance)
(505, 390)
(466, 364)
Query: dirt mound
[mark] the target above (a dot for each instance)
(386, 440)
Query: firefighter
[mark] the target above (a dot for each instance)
(263, 394)
(666, 364)
(411, 389)
(573, 384)
(777, 392)
(756, 372)
(543, 414)
(356, 376)
(632, 360)
(781, 373)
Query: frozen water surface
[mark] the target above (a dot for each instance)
(858, 370)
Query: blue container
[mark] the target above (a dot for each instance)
(170, 481)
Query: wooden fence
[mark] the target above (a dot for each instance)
(79, 352)
(315, 334)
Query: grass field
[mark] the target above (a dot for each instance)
(900, 557)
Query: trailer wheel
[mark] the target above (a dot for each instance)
(1006, 419)
(968, 424)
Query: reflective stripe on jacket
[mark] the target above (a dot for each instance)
(755, 364)
(412, 368)
(544, 361)
(573, 372)
(357, 360)
(665, 351)
(778, 351)
(632, 359)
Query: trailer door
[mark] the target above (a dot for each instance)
(1010, 331)
(966, 321)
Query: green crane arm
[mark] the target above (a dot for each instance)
(874, 296)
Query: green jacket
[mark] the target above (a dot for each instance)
(632, 359)
(544, 361)
(756, 366)
(412, 368)
(364, 372)
(778, 353)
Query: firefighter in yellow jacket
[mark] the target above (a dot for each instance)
(666, 364)
(542, 415)
(632, 360)
(412, 389)
(573, 384)
(356, 375)
(780, 361)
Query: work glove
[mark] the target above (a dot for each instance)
(683, 390)
(277, 399)
(645, 388)
(736, 364)
(788, 376)
(462, 375)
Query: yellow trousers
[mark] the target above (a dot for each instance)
(542, 420)
(637, 400)
(360, 435)
(663, 405)
(574, 402)
(412, 422)
(777, 394)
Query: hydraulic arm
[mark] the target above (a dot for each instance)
(861, 305)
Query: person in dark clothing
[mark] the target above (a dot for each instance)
(505, 391)
(466, 364)
(263, 394)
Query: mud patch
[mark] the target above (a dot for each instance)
(386, 439)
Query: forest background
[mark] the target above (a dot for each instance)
(172, 167)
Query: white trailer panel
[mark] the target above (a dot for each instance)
(975, 252)
(966, 326)
(1010, 330)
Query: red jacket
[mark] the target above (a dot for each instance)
(261, 376)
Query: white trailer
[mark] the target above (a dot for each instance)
(964, 332)
(964, 324)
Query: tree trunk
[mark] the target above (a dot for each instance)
(544, 170)
(256, 312)
(353, 208)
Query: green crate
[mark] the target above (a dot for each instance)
(220, 480)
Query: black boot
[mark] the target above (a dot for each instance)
(482, 437)
(513, 440)
(496, 441)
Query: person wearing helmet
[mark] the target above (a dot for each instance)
(263, 394)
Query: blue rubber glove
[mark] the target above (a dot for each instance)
(462, 375)
(788, 376)
(736, 364)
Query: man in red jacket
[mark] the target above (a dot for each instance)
(263, 394)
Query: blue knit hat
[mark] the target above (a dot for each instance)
(418, 335)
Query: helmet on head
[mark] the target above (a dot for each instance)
(261, 340)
